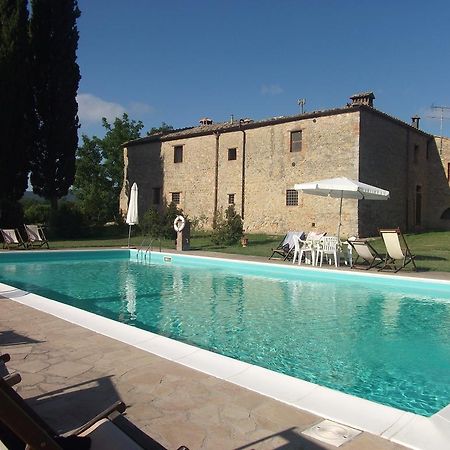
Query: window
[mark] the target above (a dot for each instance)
(296, 141)
(176, 197)
(156, 195)
(178, 154)
(291, 197)
(416, 154)
(418, 205)
(231, 199)
(232, 154)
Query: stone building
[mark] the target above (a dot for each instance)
(255, 164)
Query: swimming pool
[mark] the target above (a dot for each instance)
(374, 337)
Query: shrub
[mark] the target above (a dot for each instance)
(228, 230)
(199, 223)
(160, 225)
(151, 223)
(67, 221)
(170, 213)
(11, 214)
(37, 212)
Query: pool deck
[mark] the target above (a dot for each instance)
(65, 366)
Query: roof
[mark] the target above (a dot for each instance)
(236, 125)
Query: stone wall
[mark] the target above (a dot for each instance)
(405, 161)
(439, 187)
(329, 149)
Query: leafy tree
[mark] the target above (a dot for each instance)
(99, 169)
(54, 38)
(91, 186)
(164, 128)
(122, 130)
(16, 108)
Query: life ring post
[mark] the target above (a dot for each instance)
(183, 229)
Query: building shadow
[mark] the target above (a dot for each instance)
(10, 337)
(294, 441)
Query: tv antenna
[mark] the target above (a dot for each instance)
(301, 102)
(441, 117)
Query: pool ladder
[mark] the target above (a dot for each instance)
(145, 251)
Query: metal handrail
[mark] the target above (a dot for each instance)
(144, 250)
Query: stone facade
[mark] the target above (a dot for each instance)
(358, 142)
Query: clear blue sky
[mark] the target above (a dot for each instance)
(177, 61)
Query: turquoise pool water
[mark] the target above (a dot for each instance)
(386, 341)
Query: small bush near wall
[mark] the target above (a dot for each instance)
(160, 225)
(198, 224)
(151, 223)
(228, 230)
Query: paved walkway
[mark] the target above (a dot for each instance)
(70, 373)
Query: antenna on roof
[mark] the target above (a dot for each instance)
(301, 102)
(441, 117)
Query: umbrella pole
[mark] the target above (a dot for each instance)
(129, 236)
(340, 219)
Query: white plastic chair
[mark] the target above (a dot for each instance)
(329, 246)
(297, 246)
(309, 246)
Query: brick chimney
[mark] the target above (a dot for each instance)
(415, 121)
(364, 98)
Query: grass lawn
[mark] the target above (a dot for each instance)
(432, 249)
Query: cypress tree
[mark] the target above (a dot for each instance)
(16, 107)
(54, 40)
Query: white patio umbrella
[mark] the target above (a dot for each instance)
(343, 188)
(132, 214)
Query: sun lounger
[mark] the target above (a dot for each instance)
(286, 247)
(35, 236)
(12, 238)
(396, 250)
(366, 253)
(109, 430)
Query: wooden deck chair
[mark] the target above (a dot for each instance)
(108, 430)
(286, 247)
(35, 236)
(366, 253)
(396, 250)
(12, 238)
(11, 379)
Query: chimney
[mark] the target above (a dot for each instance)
(415, 121)
(205, 121)
(364, 98)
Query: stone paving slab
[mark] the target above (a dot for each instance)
(70, 373)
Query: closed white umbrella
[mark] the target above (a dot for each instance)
(343, 188)
(132, 214)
